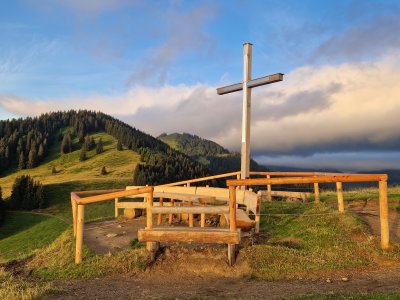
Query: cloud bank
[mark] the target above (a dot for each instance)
(344, 108)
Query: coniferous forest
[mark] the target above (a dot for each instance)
(24, 144)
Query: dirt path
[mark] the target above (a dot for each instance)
(125, 287)
(369, 211)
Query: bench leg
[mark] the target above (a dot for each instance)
(232, 254)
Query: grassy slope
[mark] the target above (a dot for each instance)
(24, 233)
(120, 165)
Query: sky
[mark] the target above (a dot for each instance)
(156, 65)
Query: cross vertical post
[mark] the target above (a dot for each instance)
(246, 117)
(246, 86)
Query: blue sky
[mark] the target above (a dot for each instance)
(156, 64)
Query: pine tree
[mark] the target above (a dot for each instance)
(32, 158)
(119, 146)
(66, 144)
(82, 156)
(103, 171)
(40, 153)
(21, 162)
(99, 147)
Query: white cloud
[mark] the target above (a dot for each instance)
(350, 107)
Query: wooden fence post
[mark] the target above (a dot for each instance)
(116, 207)
(384, 214)
(203, 220)
(171, 216)
(79, 234)
(339, 188)
(150, 246)
(316, 192)
(74, 212)
(269, 190)
(159, 220)
(190, 216)
(232, 224)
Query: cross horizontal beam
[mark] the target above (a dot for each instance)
(251, 83)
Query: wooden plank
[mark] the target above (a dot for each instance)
(232, 209)
(339, 189)
(96, 192)
(79, 234)
(189, 235)
(202, 179)
(104, 197)
(141, 205)
(242, 219)
(384, 214)
(184, 197)
(299, 195)
(300, 180)
(74, 212)
(190, 209)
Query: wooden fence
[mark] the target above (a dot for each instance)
(337, 178)
(78, 209)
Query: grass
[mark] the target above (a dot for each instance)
(119, 164)
(57, 261)
(12, 287)
(302, 245)
(23, 233)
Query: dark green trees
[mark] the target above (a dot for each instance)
(27, 194)
(99, 147)
(66, 144)
(119, 145)
(2, 208)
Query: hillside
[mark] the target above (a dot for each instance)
(27, 144)
(209, 153)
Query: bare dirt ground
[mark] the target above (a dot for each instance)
(187, 272)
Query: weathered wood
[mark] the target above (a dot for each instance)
(297, 195)
(97, 192)
(232, 209)
(74, 213)
(159, 219)
(384, 214)
(269, 190)
(109, 196)
(116, 207)
(138, 205)
(300, 180)
(202, 179)
(242, 219)
(189, 235)
(231, 254)
(191, 216)
(202, 219)
(149, 211)
(339, 188)
(171, 216)
(190, 209)
(316, 192)
(79, 233)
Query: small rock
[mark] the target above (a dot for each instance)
(111, 235)
(328, 280)
(345, 279)
(119, 226)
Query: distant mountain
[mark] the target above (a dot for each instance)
(210, 154)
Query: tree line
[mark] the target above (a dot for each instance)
(24, 143)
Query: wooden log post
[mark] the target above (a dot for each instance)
(116, 207)
(339, 188)
(159, 220)
(238, 177)
(171, 216)
(74, 212)
(79, 234)
(202, 219)
(384, 214)
(316, 192)
(191, 216)
(232, 224)
(269, 190)
(150, 246)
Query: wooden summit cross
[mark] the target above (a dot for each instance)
(246, 86)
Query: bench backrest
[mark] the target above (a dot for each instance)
(247, 198)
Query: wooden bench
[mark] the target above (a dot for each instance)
(205, 195)
(286, 194)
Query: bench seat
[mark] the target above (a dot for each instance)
(189, 235)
